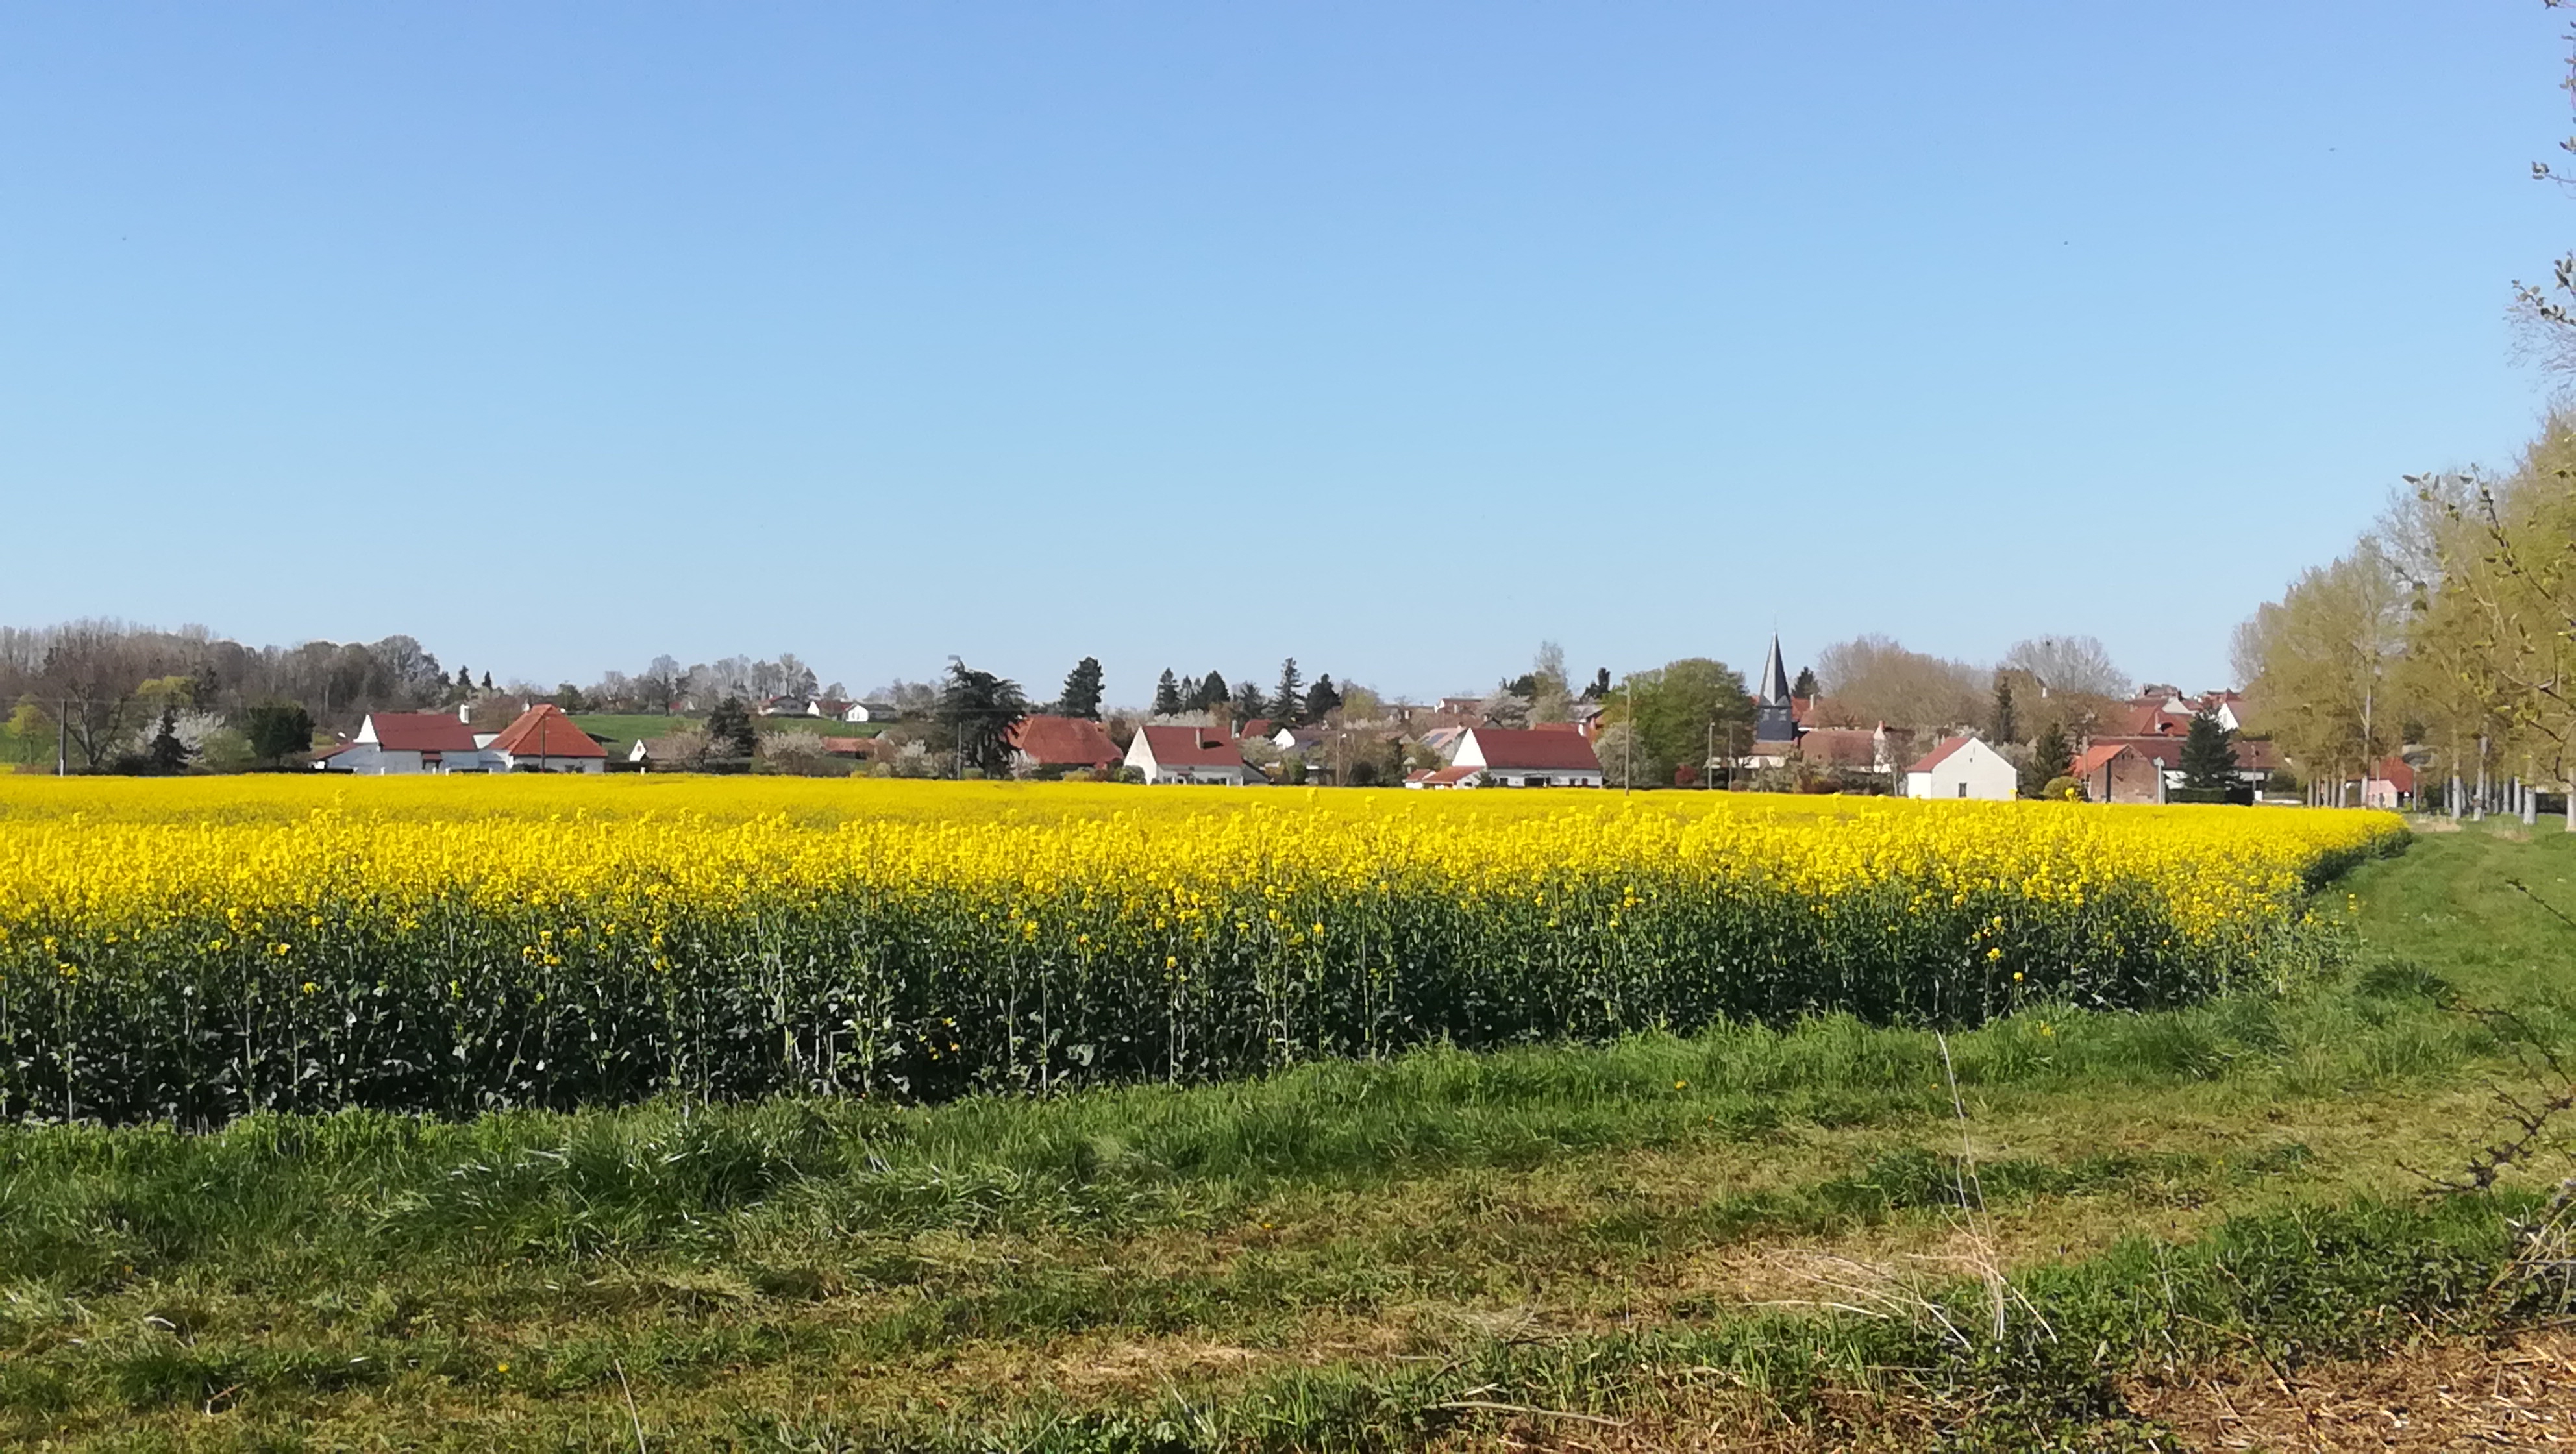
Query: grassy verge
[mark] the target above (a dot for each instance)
(1418, 1252)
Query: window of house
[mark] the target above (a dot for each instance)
(1963, 790)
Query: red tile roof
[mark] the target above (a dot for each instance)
(1259, 727)
(1051, 741)
(1940, 754)
(2396, 772)
(2169, 749)
(2093, 759)
(853, 746)
(422, 732)
(543, 731)
(1510, 749)
(2150, 719)
(1192, 747)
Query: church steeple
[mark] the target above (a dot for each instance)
(1775, 677)
(1773, 718)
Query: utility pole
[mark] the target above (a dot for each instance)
(62, 739)
(1628, 774)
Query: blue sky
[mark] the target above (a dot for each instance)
(1394, 337)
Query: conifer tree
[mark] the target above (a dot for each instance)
(1081, 697)
(1805, 685)
(2208, 757)
(1290, 694)
(1249, 703)
(2006, 723)
(730, 730)
(1213, 694)
(1167, 695)
(168, 753)
(2051, 757)
(1323, 698)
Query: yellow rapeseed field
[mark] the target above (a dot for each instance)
(194, 949)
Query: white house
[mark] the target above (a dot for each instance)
(1185, 754)
(1526, 757)
(403, 743)
(1963, 767)
(869, 712)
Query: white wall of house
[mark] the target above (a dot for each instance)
(1974, 771)
(367, 759)
(1140, 756)
(512, 762)
(1471, 753)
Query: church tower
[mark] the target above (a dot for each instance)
(1773, 720)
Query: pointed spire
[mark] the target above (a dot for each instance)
(1775, 678)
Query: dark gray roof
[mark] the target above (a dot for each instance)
(1775, 679)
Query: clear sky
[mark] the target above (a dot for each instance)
(1394, 336)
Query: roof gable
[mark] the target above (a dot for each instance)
(544, 731)
(1509, 749)
(1950, 747)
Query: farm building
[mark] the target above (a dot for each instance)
(1963, 767)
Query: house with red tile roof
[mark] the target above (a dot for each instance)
(1963, 767)
(2257, 759)
(1044, 745)
(1186, 754)
(2391, 784)
(403, 743)
(2113, 771)
(544, 740)
(1526, 757)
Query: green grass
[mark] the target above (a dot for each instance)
(617, 731)
(1340, 1256)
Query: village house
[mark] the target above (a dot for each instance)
(1963, 767)
(2391, 785)
(1043, 745)
(1517, 757)
(402, 743)
(1847, 752)
(389, 744)
(545, 740)
(2256, 760)
(2119, 772)
(1184, 754)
